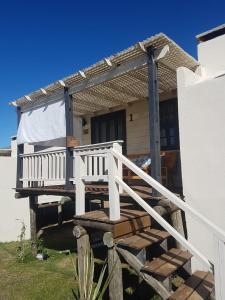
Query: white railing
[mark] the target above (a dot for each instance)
(95, 163)
(41, 167)
(218, 265)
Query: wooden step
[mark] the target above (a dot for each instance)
(166, 264)
(144, 239)
(130, 222)
(198, 287)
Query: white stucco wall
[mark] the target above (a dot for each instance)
(12, 210)
(201, 106)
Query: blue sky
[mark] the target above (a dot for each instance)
(42, 41)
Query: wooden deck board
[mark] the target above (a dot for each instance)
(167, 263)
(198, 287)
(144, 239)
(92, 190)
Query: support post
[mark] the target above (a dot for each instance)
(69, 133)
(114, 269)
(114, 193)
(118, 147)
(80, 185)
(33, 201)
(177, 223)
(154, 120)
(20, 150)
(83, 250)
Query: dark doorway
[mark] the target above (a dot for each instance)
(109, 127)
(169, 127)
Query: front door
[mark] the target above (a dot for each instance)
(109, 127)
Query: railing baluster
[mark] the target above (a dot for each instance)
(80, 186)
(114, 195)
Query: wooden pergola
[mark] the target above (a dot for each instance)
(146, 70)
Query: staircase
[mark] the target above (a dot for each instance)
(150, 251)
(137, 251)
(134, 245)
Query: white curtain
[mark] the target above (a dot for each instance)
(42, 124)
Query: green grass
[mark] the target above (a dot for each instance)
(33, 279)
(53, 279)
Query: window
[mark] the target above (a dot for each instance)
(169, 128)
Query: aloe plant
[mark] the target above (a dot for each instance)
(88, 289)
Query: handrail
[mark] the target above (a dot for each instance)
(163, 223)
(43, 153)
(169, 195)
(97, 146)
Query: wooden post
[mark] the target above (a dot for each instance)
(80, 185)
(83, 249)
(118, 147)
(69, 133)
(20, 150)
(177, 223)
(114, 192)
(154, 121)
(33, 201)
(114, 269)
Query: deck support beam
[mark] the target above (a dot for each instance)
(154, 120)
(33, 202)
(69, 133)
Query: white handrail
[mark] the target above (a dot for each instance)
(164, 223)
(170, 196)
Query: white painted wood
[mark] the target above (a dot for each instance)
(114, 195)
(118, 147)
(219, 269)
(170, 196)
(80, 186)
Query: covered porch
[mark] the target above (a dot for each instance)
(128, 97)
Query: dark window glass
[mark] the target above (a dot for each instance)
(169, 128)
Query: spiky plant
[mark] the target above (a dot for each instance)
(84, 275)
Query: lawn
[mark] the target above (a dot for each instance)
(53, 278)
(33, 279)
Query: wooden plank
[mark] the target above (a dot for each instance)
(204, 290)
(131, 221)
(144, 239)
(167, 263)
(137, 266)
(201, 282)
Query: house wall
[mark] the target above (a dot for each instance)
(201, 104)
(137, 130)
(12, 211)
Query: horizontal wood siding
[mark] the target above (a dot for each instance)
(137, 130)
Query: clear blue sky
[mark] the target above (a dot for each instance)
(42, 41)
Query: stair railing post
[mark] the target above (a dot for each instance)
(118, 147)
(80, 184)
(219, 269)
(114, 194)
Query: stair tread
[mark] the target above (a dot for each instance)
(198, 287)
(164, 265)
(144, 239)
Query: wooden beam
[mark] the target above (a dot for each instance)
(20, 150)
(69, 133)
(154, 121)
(132, 64)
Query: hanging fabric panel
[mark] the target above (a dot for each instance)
(42, 124)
